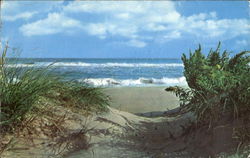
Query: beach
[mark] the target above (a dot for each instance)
(124, 79)
(141, 99)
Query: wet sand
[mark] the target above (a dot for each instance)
(141, 99)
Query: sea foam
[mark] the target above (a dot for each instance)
(105, 82)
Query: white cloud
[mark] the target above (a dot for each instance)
(111, 7)
(136, 43)
(138, 22)
(11, 11)
(104, 29)
(165, 17)
(24, 15)
(126, 19)
(155, 27)
(172, 35)
(169, 36)
(160, 16)
(213, 14)
(123, 15)
(205, 27)
(54, 23)
(16, 10)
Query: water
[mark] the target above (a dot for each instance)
(114, 72)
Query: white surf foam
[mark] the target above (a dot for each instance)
(134, 82)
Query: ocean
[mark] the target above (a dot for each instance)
(113, 72)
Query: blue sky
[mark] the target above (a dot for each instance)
(125, 29)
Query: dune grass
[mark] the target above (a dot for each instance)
(79, 96)
(22, 88)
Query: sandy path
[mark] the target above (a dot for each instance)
(125, 134)
(141, 99)
(122, 134)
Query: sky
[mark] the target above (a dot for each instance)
(124, 29)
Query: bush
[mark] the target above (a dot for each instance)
(22, 88)
(219, 84)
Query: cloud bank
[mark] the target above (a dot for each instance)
(137, 22)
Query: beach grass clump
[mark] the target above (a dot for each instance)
(220, 85)
(21, 89)
(80, 96)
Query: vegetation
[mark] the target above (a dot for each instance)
(239, 154)
(79, 96)
(21, 89)
(219, 88)
(220, 85)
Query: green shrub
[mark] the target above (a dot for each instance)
(219, 84)
(22, 88)
(184, 94)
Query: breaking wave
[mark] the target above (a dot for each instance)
(106, 82)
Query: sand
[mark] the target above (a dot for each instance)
(141, 99)
(122, 134)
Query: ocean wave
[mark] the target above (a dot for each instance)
(19, 65)
(106, 82)
(83, 64)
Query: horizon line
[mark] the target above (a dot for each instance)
(83, 58)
